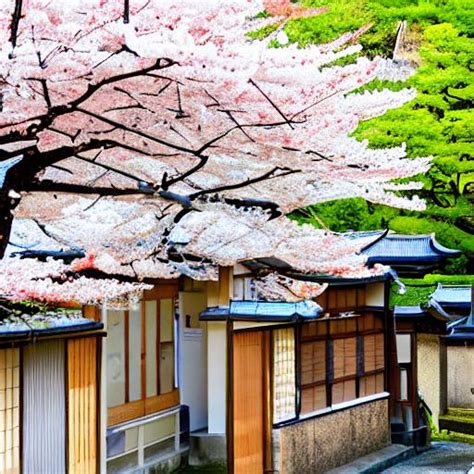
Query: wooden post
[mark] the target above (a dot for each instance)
(224, 285)
(103, 398)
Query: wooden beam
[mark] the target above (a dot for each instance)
(224, 285)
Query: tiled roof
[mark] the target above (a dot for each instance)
(402, 247)
(431, 310)
(462, 330)
(263, 311)
(401, 311)
(45, 323)
(452, 294)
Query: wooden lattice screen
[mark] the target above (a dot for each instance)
(10, 411)
(82, 405)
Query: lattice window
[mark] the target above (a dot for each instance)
(341, 360)
(141, 360)
(10, 411)
(284, 374)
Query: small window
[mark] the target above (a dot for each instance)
(403, 384)
(244, 288)
(284, 375)
(404, 348)
(313, 376)
(129, 448)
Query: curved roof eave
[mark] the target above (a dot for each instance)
(441, 249)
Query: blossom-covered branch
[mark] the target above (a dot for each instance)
(158, 139)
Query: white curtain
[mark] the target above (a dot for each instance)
(44, 416)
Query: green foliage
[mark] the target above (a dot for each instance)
(342, 16)
(418, 290)
(415, 295)
(444, 435)
(263, 32)
(439, 122)
(434, 279)
(346, 214)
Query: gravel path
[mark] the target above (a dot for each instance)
(453, 458)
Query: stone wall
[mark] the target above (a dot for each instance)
(461, 376)
(431, 377)
(319, 444)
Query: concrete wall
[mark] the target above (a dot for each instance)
(461, 376)
(431, 376)
(319, 444)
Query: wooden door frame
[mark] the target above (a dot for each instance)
(412, 374)
(267, 360)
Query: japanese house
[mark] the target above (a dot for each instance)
(421, 353)
(49, 393)
(203, 371)
(434, 356)
(294, 388)
(460, 354)
(141, 396)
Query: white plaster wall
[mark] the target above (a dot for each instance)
(460, 376)
(375, 294)
(253, 324)
(217, 370)
(239, 269)
(193, 358)
(429, 372)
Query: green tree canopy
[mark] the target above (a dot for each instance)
(439, 122)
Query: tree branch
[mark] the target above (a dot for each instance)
(16, 17)
(248, 182)
(66, 255)
(161, 63)
(272, 104)
(51, 186)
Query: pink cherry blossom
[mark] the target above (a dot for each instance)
(161, 142)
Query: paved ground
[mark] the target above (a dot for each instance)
(452, 458)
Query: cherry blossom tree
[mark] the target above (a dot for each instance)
(150, 139)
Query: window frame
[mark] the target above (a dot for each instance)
(249, 292)
(330, 380)
(131, 410)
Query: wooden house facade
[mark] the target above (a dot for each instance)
(49, 395)
(202, 372)
(141, 396)
(435, 360)
(294, 388)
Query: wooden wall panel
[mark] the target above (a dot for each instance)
(82, 405)
(10, 411)
(248, 403)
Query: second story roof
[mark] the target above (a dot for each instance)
(407, 254)
(453, 295)
(407, 247)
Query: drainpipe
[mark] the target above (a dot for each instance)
(103, 396)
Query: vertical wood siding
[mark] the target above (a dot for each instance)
(44, 408)
(82, 405)
(10, 411)
(248, 403)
